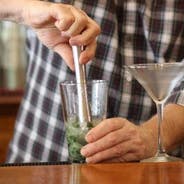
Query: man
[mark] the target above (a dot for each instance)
(131, 32)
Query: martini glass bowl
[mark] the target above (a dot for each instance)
(159, 80)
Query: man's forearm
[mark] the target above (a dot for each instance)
(172, 128)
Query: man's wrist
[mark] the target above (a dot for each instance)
(13, 11)
(148, 131)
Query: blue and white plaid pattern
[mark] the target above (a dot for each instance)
(133, 31)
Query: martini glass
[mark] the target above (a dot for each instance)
(159, 80)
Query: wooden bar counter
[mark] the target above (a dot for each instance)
(124, 173)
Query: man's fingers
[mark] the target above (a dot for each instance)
(119, 151)
(107, 125)
(64, 50)
(86, 36)
(108, 141)
(89, 53)
(80, 23)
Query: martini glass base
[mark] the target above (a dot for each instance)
(162, 157)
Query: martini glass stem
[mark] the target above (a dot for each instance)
(160, 149)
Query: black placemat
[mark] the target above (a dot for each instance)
(33, 164)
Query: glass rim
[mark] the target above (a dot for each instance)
(73, 82)
(142, 65)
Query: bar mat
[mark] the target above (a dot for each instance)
(33, 164)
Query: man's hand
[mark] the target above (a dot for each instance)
(58, 26)
(118, 140)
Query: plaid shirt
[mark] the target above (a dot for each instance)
(133, 31)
